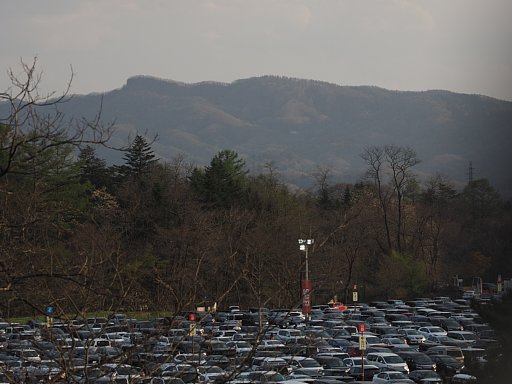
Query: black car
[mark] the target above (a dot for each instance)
(217, 347)
(417, 360)
(333, 366)
(369, 371)
(425, 376)
(446, 365)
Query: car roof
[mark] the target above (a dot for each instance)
(383, 353)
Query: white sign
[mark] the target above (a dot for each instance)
(362, 343)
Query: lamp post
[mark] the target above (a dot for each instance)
(306, 283)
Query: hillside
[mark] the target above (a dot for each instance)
(300, 125)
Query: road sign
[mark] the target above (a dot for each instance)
(362, 327)
(362, 343)
(306, 299)
(49, 310)
(355, 298)
(192, 331)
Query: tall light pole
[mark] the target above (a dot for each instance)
(306, 283)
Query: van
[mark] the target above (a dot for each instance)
(454, 352)
(388, 360)
(276, 364)
(286, 335)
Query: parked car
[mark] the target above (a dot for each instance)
(425, 376)
(117, 372)
(462, 378)
(333, 366)
(446, 340)
(388, 361)
(417, 360)
(467, 336)
(452, 351)
(391, 377)
(286, 335)
(358, 372)
(432, 331)
(447, 366)
(412, 336)
(305, 365)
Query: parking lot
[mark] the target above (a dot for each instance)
(425, 340)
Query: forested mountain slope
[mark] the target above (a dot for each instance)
(302, 125)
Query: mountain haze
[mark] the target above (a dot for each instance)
(302, 125)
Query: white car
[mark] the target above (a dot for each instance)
(432, 331)
(391, 377)
(388, 360)
(211, 374)
(286, 335)
(242, 348)
(412, 336)
(305, 365)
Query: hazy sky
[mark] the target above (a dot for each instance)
(458, 45)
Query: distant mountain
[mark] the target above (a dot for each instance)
(300, 125)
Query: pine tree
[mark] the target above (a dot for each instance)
(92, 168)
(223, 182)
(139, 158)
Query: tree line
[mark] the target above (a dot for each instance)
(146, 234)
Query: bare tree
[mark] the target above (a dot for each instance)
(36, 139)
(389, 169)
(30, 119)
(400, 160)
(375, 158)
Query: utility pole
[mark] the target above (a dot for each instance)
(470, 173)
(306, 283)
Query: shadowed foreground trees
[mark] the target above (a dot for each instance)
(41, 197)
(498, 315)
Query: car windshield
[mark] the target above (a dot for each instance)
(423, 359)
(372, 340)
(396, 375)
(310, 363)
(351, 361)
(393, 359)
(334, 363)
(426, 374)
(341, 332)
(446, 358)
(213, 370)
(276, 377)
(125, 370)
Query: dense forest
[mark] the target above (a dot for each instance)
(147, 234)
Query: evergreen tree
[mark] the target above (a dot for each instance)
(223, 182)
(139, 158)
(92, 168)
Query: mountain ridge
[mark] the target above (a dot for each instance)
(300, 125)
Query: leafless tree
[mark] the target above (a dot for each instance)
(30, 119)
(390, 171)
